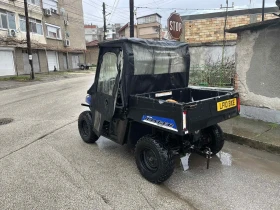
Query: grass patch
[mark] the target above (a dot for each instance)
(91, 70)
(273, 125)
(21, 78)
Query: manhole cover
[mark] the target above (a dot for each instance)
(4, 121)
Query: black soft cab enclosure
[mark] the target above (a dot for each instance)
(141, 97)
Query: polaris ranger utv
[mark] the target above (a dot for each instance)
(141, 97)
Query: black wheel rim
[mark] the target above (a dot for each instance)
(85, 128)
(149, 160)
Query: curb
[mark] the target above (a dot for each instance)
(253, 143)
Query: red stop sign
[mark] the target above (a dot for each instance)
(175, 25)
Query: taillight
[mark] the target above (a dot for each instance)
(184, 120)
(238, 104)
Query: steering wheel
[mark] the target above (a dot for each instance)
(111, 83)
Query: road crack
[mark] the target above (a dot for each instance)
(258, 135)
(31, 97)
(103, 197)
(146, 199)
(36, 140)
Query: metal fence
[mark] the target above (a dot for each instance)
(212, 75)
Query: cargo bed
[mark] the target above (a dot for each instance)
(191, 109)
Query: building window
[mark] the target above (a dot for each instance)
(53, 31)
(35, 2)
(50, 4)
(7, 20)
(34, 24)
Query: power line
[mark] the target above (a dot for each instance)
(114, 8)
(157, 2)
(172, 8)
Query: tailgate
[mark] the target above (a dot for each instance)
(212, 111)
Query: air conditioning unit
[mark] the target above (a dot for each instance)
(54, 11)
(47, 12)
(67, 43)
(66, 22)
(12, 33)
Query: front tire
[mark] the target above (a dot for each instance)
(154, 161)
(85, 128)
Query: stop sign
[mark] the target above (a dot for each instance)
(175, 24)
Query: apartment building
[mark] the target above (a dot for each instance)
(91, 33)
(111, 32)
(148, 27)
(57, 36)
(125, 31)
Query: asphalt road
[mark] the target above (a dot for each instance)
(45, 165)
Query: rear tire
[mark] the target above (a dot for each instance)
(216, 138)
(85, 127)
(154, 161)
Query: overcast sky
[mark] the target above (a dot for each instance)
(119, 9)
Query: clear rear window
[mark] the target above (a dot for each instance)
(150, 60)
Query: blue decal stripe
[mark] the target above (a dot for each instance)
(161, 122)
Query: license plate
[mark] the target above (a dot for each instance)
(223, 105)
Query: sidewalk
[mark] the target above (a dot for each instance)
(10, 82)
(254, 133)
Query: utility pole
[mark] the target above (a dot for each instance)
(104, 18)
(131, 9)
(28, 40)
(159, 32)
(263, 6)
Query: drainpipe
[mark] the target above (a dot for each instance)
(47, 60)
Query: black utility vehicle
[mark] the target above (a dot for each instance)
(141, 97)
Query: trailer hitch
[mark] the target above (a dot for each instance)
(208, 153)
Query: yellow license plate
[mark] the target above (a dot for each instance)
(223, 105)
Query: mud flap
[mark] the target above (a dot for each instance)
(185, 161)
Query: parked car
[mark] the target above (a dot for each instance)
(84, 66)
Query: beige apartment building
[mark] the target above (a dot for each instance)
(57, 36)
(91, 33)
(148, 27)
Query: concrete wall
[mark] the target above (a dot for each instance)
(200, 54)
(212, 29)
(127, 32)
(60, 60)
(19, 61)
(43, 61)
(147, 31)
(70, 66)
(92, 55)
(257, 60)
